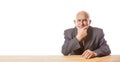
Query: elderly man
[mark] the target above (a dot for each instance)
(84, 39)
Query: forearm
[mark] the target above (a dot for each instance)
(70, 45)
(103, 47)
(103, 51)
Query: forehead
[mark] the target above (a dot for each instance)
(82, 15)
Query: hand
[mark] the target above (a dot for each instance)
(88, 54)
(81, 32)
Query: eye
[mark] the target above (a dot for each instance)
(78, 20)
(84, 19)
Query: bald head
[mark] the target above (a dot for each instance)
(82, 14)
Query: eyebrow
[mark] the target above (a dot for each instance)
(81, 19)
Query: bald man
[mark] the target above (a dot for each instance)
(84, 39)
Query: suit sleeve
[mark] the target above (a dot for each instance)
(70, 44)
(103, 48)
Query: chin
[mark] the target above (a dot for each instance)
(80, 27)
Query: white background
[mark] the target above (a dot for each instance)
(35, 27)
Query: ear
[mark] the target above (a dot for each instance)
(89, 22)
(74, 22)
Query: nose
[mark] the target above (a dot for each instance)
(82, 23)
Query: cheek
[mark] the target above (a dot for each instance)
(85, 23)
(77, 23)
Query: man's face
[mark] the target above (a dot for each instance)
(81, 21)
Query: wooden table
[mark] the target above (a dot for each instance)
(58, 58)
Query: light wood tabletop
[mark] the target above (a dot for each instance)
(58, 58)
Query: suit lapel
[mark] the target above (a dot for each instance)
(74, 33)
(88, 38)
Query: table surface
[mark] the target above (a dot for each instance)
(58, 58)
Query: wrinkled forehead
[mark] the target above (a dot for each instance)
(82, 15)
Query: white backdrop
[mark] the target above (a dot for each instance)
(35, 27)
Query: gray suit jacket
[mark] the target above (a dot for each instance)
(94, 41)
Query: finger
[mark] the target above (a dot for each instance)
(86, 55)
(86, 27)
(89, 56)
(83, 54)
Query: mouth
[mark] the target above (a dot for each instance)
(80, 26)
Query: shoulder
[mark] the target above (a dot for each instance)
(96, 29)
(70, 31)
